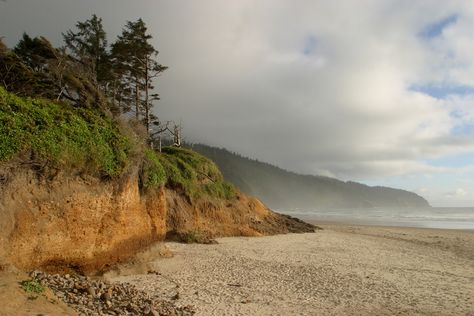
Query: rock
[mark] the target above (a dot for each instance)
(91, 291)
(176, 296)
(146, 310)
(89, 297)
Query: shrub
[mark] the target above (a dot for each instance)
(153, 172)
(61, 136)
(195, 174)
(32, 287)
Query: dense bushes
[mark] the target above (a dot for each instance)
(153, 172)
(188, 171)
(61, 136)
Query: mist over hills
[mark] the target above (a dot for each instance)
(282, 189)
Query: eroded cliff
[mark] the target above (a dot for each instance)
(81, 189)
(88, 224)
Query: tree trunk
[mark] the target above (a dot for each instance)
(137, 107)
(177, 136)
(147, 105)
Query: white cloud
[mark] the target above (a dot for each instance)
(459, 193)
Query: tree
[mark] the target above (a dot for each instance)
(34, 52)
(16, 76)
(134, 59)
(26, 70)
(36, 68)
(163, 128)
(89, 46)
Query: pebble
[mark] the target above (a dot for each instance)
(89, 297)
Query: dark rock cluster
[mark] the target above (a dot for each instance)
(100, 298)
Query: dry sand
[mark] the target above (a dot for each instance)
(14, 301)
(341, 270)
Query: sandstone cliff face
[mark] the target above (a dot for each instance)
(88, 224)
(76, 222)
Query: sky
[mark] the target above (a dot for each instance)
(376, 91)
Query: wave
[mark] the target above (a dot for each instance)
(447, 218)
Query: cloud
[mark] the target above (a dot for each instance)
(436, 29)
(458, 194)
(325, 87)
(358, 89)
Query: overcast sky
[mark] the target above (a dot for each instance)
(376, 91)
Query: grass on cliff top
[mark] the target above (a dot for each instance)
(61, 136)
(154, 174)
(184, 169)
(88, 141)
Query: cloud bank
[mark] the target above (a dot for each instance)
(324, 87)
(356, 89)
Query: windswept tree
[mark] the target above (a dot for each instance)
(134, 59)
(18, 77)
(50, 72)
(34, 52)
(88, 45)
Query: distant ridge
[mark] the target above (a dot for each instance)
(283, 189)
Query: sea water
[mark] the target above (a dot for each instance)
(434, 217)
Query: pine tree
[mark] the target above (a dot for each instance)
(37, 68)
(16, 76)
(34, 52)
(134, 59)
(89, 46)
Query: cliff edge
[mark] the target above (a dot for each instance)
(88, 224)
(79, 191)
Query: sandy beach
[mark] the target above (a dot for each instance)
(340, 270)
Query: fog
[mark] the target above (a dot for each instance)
(376, 91)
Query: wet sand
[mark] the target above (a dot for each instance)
(340, 270)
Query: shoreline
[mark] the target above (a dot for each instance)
(458, 218)
(444, 225)
(340, 270)
(347, 223)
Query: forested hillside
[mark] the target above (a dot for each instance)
(282, 189)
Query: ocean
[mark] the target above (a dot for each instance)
(435, 217)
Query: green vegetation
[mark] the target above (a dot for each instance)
(87, 141)
(87, 72)
(153, 172)
(60, 108)
(32, 287)
(194, 174)
(61, 136)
